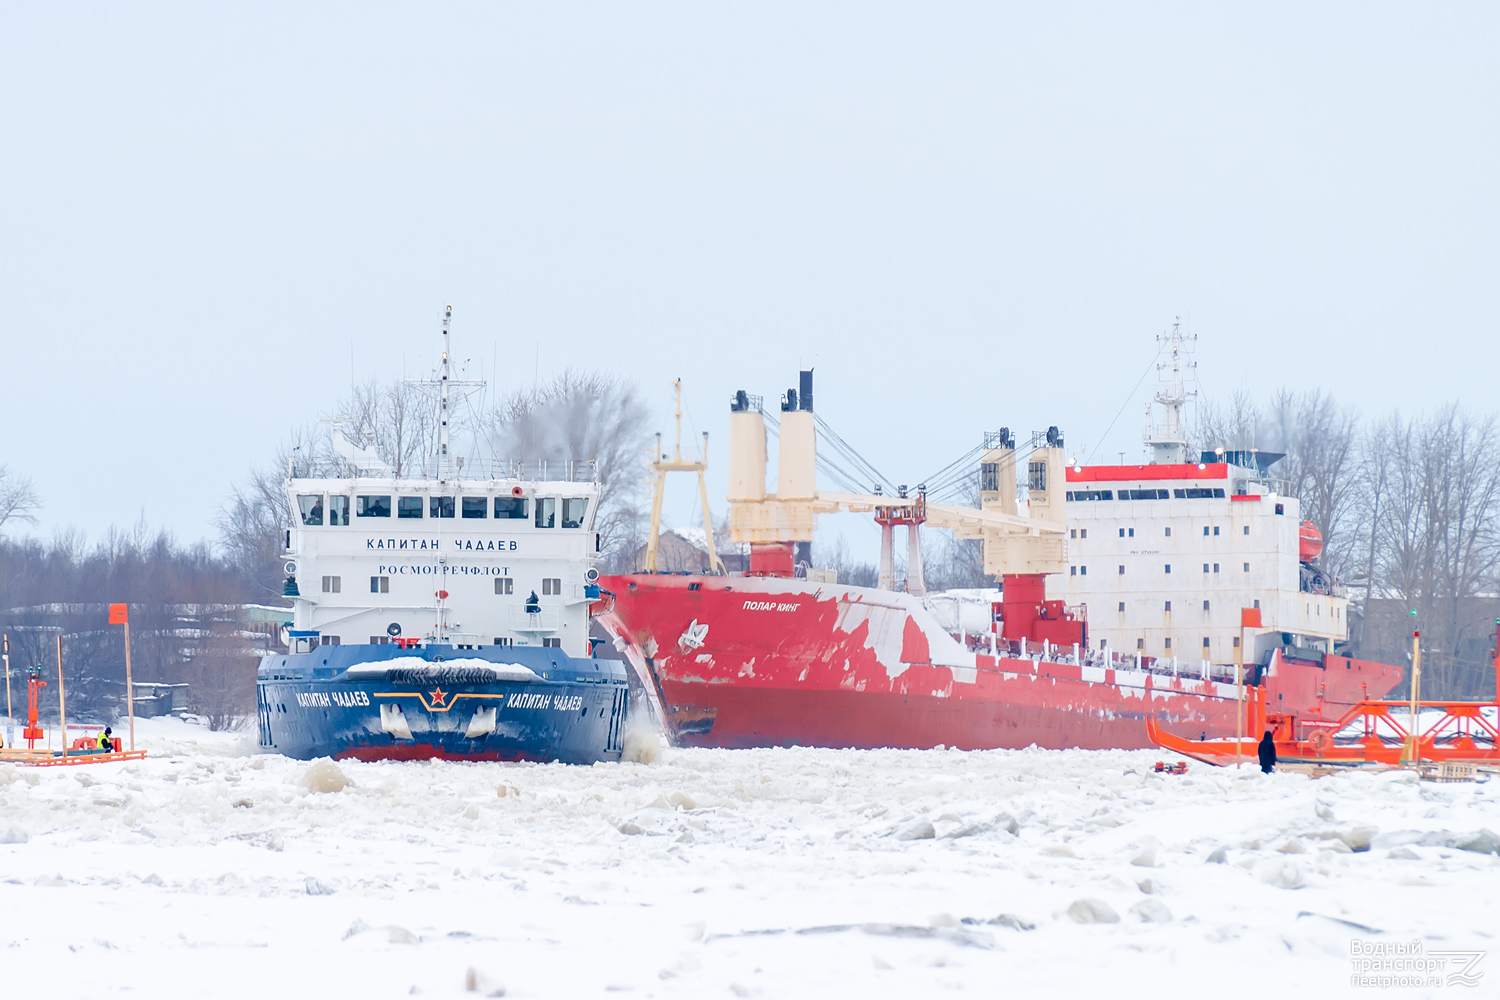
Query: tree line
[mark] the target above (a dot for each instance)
(1409, 510)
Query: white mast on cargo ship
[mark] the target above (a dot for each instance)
(1167, 442)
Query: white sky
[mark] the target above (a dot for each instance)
(965, 216)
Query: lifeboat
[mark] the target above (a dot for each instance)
(1309, 542)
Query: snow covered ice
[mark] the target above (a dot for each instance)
(207, 870)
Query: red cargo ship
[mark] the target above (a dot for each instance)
(782, 655)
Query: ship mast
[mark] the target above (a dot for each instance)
(1167, 443)
(443, 387)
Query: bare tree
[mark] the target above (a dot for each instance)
(1437, 535)
(221, 675)
(582, 416)
(18, 499)
(1320, 440)
(397, 419)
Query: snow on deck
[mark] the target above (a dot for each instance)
(774, 873)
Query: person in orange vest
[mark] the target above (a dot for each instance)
(105, 743)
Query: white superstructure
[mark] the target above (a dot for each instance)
(1165, 556)
(506, 560)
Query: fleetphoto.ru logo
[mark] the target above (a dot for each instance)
(1383, 964)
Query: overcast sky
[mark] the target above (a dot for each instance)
(965, 216)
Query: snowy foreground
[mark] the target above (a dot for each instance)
(209, 871)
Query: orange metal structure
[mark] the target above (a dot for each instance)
(1371, 732)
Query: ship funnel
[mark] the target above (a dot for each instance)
(997, 472)
(1046, 478)
(796, 468)
(747, 449)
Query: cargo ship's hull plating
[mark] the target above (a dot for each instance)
(747, 662)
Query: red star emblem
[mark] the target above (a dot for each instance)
(438, 695)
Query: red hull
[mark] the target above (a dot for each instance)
(749, 662)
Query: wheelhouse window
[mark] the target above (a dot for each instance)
(573, 511)
(546, 512)
(475, 507)
(338, 511)
(312, 509)
(440, 507)
(372, 506)
(408, 506)
(512, 508)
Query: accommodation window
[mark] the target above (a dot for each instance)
(1247, 569)
(1072, 570)
(504, 640)
(329, 640)
(1205, 605)
(1169, 567)
(1122, 570)
(551, 586)
(1236, 642)
(505, 585)
(380, 585)
(408, 506)
(1205, 530)
(312, 509)
(1247, 529)
(1083, 571)
(1216, 529)
(1205, 567)
(338, 510)
(1216, 567)
(1205, 642)
(1169, 642)
(372, 506)
(1122, 532)
(546, 512)
(1073, 533)
(380, 640)
(1280, 509)
(1083, 532)
(1122, 605)
(333, 584)
(1140, 644)
(1168, 606)
(511, 508)
(440, 506)
(1131, 531)
(552, 643)
(476, 507)
(1169, 532)
(573, 511)
(1257, 604)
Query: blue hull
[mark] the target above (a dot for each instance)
(497, 703)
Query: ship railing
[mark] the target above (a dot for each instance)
(534, 471)
(535, 622)
(1108, 659)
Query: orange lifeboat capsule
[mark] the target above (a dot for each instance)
(1309, 542)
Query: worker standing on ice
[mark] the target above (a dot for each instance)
(1267, 753)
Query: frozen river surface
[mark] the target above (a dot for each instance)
(207, 871)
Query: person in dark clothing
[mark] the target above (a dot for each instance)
(1267, 753)
(533, 604)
